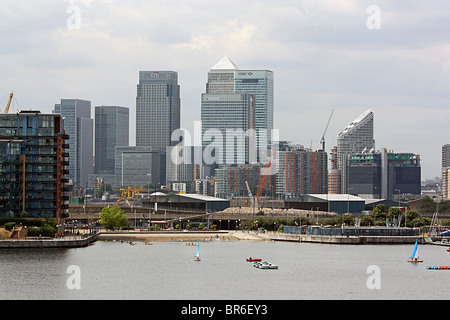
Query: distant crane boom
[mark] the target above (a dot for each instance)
(322, 141)
(9, 102)
(264, 178)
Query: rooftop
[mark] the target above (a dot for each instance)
(225, 64)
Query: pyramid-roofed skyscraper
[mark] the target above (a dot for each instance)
(254, 91)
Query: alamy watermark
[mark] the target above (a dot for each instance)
(74, 280)
(230, 146)
(374, 280)
(374, 19)
(74, 19)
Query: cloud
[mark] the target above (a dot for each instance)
(322, 54)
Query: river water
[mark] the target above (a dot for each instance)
(167, 270)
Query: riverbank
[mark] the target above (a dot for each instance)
(186, 236)
(64, 242)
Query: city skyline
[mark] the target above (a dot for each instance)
(323, 54)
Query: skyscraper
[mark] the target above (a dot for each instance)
(357, 137)
(238, 100)
(79, 126)
(111, 130)
(157, 108)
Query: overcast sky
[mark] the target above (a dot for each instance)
(390, 56)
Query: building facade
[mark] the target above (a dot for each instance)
(157, 108)
(384, 174)
(231, 180)
(33, 165)
(111, 130)
(301, 171)
(138, 166)
(245, 97)
(446, 183)
(357, 137)
(80, 127)
(226, 117)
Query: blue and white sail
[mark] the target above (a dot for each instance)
(197, 257)
(415, 253)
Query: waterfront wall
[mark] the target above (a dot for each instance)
(51, 243)
(333, 239)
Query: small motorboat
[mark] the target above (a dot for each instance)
(448, 250)
(253, 259)
(265, 265)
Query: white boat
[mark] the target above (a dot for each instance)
(265, 265)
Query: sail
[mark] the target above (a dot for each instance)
(415, 253)
(198, 249)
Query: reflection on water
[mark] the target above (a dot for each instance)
(167, 270)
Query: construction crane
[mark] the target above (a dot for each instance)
(128, 194)
(264, 178)
(250, 195)
(322, 141)
(9, 102)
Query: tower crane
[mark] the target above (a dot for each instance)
(9, 102)
(322, 141)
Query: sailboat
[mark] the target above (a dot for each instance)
(415, 255)
(197, 257)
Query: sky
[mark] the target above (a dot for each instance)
(389, 56)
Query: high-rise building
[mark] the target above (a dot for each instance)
(231, 180)
(239, 100)
(111, 130)
(446, 183)
(446, 155)
(79, 126)
(446, 171)
(138, 166)
(226, 117)
(301, 171)
(383, 174)
(357, 137)
(157, 108)
(33, 165)
(334, 174)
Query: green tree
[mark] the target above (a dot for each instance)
(426, 205)
(113, 217)
(394, 213)
(380, 212)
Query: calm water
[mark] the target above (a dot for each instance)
(166, 270)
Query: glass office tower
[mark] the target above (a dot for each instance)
(111, 130)
(238, 100)
(80, 127)
(157, 108)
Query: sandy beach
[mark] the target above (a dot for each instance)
(182, 236)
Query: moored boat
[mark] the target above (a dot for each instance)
(253, 259)
(265, 265)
